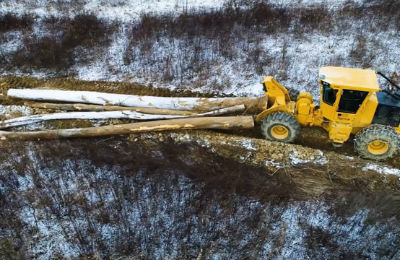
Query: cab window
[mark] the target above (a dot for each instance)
(351, 101)
(328, 93)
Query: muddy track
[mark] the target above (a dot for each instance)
(315, 138)
(300, 172)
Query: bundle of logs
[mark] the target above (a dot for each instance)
(154, 113)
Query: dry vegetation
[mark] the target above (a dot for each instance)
(232, 30)
(206, 36)
(9, 22)
(56, 50)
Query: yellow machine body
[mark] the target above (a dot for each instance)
(278, 98)
(348, 102)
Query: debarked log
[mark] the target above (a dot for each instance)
(98, 108)
(133, 115)
(252, 104)
(160, 125)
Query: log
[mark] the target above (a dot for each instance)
(252, 104)
(86, 107)
(224, 111)
(162, 125)
(25, 120)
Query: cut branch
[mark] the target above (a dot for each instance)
(252, 104)
(25, 120)
(163, 125)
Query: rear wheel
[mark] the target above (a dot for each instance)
(280, 126)
(377, 142)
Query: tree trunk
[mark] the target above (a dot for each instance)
(163, 125)
(25, 120)
(252, 104)
(86, 107)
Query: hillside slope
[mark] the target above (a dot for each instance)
(215, 47)
(191, 195)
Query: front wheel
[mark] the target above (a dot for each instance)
(377, 142)
(280, 126)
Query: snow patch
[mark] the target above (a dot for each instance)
(248, 144)
(11, 111)
(381, 169)
(273, 163)
(329, 4)
(50, 234)
(318, 158)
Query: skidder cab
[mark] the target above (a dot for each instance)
(351, 103)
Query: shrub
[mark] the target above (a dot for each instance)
(315, 18)
(8, 251)
(360, 53)
(386, 11)
(55, 51)
(46, 52)
(9, 22)
(273, 19)
(147, 27)
(85, 30)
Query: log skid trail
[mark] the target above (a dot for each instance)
(99, 105)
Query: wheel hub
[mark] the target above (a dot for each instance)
(279, 132)
(378, 147)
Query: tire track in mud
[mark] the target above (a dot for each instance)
(314, 138)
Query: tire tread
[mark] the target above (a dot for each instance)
(281, 118)
(376, 132)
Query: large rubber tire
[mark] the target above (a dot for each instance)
(377, 142)
(280, 126)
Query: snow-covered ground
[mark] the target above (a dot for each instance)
(292, 58)
(304, 57)
(329, 4)
(73, 207)
(124, 10)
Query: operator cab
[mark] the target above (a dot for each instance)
(344, 90)
(388, 110)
